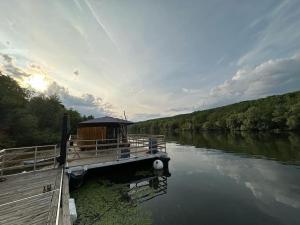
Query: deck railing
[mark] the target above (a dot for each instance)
(16, 160)
(134, 145)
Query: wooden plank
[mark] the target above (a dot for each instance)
(23, 199)
(55, 202)
(66, 219)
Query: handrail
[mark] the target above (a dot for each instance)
(14, 160)
(100, 148)
(59, 197)
(121, 138)
(29, 147)
(147, 135)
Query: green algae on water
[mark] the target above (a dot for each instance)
(107, 203)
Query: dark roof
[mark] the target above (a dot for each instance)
(106, 120)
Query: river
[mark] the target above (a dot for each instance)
(215, 178)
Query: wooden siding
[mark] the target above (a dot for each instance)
(91, 133)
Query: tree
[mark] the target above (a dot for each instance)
(48, 110)
(293, 120)
(75, 119)
(27, 120)
(234, 121)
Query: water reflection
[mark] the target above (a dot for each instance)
(283, 147)
(147, 189)
(216, 179)
(116, 198)
(221, 188)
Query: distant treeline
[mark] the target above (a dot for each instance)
(30, 119)
(280, 112)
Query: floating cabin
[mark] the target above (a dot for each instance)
(104, 142)
(106, 130)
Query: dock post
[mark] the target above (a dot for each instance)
(64, 139)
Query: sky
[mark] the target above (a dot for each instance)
(151, 58)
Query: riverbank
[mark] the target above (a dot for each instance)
(277, 113)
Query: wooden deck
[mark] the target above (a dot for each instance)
(85, 163)
(24, 198)
(89, 157)
(83, 155)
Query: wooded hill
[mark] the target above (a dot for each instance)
(279, 112)
(28, 119)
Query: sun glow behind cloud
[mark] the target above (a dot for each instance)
(37, 82)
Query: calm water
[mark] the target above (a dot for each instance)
(215, 179)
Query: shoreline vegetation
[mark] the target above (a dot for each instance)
(28, 118)
(274, 113)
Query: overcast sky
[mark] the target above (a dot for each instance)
(152, 58)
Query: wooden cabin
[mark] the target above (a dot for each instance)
(105, 130)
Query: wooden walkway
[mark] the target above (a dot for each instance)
(30, 198)
(41, 197)
(83, 155)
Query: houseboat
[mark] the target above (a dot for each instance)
(105, 142)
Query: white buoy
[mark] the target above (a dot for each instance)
(158, 164)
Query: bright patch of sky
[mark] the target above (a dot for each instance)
(152, 58)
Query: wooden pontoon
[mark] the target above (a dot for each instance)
(34, 181)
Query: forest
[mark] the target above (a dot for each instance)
(28, 118)
(273, 113)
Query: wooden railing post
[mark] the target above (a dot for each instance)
(34, 165)
(2, 166)
(96, 148)
(54, 158)
(165, 144)
(150, 144)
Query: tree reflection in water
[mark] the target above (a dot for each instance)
(283, 147)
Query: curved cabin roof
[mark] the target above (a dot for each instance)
(106, 120)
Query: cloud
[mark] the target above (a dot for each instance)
(35, 66)
(87, 104)
(7, 58)
(183, 109)
(190, 91)
(101, 24)
(78, 5)
(280, 35)
(145, 116)
(274, 76)
(8, 66)
(271, 77)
